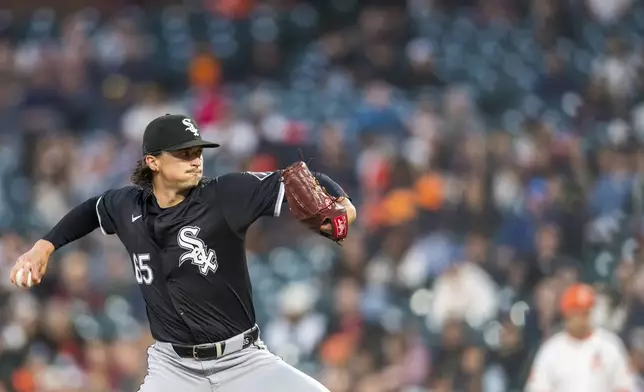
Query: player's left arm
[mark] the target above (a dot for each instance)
(336, 191)
(247, 196)
(622, 375)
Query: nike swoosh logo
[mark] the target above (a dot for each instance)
(135, 218)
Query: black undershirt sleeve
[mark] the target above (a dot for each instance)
(78, 223)
(331, 186)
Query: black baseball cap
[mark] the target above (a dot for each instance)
(172, 132)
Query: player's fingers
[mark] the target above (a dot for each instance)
(31, 272)
(38, 271)
(20, 278)
(15, 269)
(24, 276)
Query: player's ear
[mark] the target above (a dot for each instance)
(152, 163)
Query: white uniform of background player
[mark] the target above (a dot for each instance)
(581, 358)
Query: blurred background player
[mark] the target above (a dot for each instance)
(581, 358)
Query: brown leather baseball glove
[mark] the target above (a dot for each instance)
(311, 204)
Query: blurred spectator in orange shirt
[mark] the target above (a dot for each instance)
(205, 69)
(205, 78)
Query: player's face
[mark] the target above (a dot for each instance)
(578, 323)
(182, 169)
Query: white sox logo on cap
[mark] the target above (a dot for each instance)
(190, 126)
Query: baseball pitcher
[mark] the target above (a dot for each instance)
(184, 235)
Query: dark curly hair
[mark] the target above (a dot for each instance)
(142, 174)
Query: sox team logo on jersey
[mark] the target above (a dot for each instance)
(190, 126)
(197, 251)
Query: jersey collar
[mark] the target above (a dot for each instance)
(149, 201)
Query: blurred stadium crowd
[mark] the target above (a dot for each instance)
(493, 148)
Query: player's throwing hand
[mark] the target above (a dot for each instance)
(31, 266)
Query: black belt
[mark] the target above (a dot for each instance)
(219, 349)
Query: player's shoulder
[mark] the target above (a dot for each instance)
(552, 348)
(129, 192)
(600, 337)
(247, 176)
(607, 335)
(243, 178)
(115, 205)
(555, 341)
(608, 338)
(235, 184)
(206, 182)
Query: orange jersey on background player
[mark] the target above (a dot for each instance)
(581, 358)
(598, 363)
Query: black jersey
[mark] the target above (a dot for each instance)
(189, 260)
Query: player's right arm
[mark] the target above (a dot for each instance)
(540, 379)
(94, 213)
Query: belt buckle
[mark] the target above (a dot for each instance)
(194, 352)
(215, 346)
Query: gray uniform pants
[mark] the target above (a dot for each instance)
(253, 369)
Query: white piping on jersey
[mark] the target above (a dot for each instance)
(280, 200)
(99, 216)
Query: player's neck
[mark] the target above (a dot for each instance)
(166, 197)
(581, 335)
